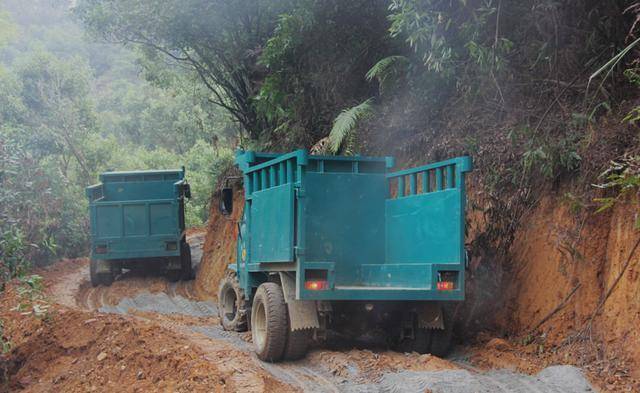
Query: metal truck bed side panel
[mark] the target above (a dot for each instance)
(424, 228)
(272, 227)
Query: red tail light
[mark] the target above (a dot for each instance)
(316, 285)
(101, 249)
(445, 286)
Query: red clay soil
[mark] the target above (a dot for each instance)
(72, 349)
(75, 351)
(194, 231)
(219, 248)
(556, 251)
(374, 364)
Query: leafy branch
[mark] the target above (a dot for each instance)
(345, 125)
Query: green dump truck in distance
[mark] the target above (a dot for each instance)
(344, 243)
(137, 222)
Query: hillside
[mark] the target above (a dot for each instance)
(542, 95)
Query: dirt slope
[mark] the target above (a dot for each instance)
(76, 351)
(75, 348)
(219, 247)
(557, 251)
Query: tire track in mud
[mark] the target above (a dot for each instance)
(318, 377)
(177, 301)
(174, 306)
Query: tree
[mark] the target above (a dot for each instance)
(7, 28)
(317, 59)
(220, 40)
(57, 114)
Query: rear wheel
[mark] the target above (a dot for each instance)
(420, 342)
(185, 259)
(93, 273)
(173, 275)
(441, 340)
(269, 322)
(297, 343)
(97, 272)
(116, 269)
(106, 278)
(232, 304)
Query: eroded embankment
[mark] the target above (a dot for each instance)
(566, 262)
(219, 249)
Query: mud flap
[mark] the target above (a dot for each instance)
(302, 313)
(430, 316)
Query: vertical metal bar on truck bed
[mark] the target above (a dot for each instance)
(263, 179)
(400, 186)
(281, 173)
(300, 229)
(241, 265)
(290, 178)
(248, 187)
(256, 182)
(425, 182)
(412, 184)
(462, 203)
(450, 176)
(272, 176)
(438, 179)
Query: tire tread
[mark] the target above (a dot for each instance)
(277, 323)
(297, 343)
(239, 324)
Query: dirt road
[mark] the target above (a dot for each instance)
(173, 309)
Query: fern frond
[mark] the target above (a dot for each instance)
(387, 70)
(346, 123)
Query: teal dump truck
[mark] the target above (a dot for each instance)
(328, 242)
(137, 222)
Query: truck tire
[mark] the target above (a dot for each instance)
(106, 278)
(232, 304)
(297, 343)
(116, 269)
(185, 256)
(93, 273)
(173, 275)
(269, 322)
(98, 278)
(441, 338)
(421, 343)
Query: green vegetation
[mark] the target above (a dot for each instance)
(341, 136)
(71, 108)
(32, 300)
(623, 177)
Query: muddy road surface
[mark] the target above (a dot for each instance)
(175, 308)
